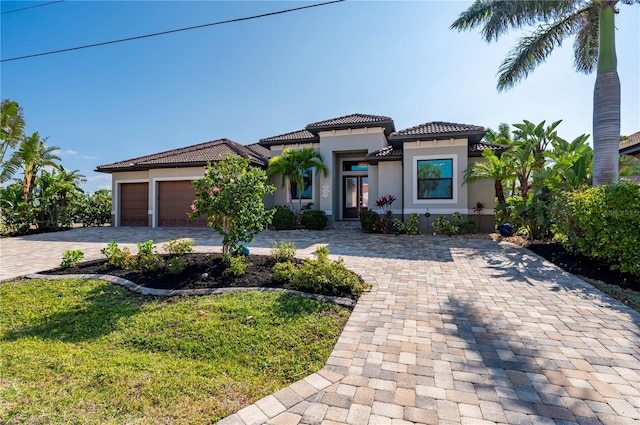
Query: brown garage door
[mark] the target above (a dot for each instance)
(174, 204)
(134, 204)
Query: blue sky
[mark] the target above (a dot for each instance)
(264, 77)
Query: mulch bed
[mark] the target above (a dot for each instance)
(583, 266)
(201, 271)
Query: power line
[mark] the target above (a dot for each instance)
(31, 7)
(229, 21)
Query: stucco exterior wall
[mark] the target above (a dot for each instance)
(390, 183)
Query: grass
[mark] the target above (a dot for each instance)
(85, 351)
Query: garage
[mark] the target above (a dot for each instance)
(174, 204)
(134, 204)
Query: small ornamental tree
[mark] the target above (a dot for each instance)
(230, 195)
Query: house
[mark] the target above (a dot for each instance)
(422, 166)
(631, 146)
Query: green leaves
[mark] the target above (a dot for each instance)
(231, 196)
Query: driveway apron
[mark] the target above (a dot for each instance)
(454, 331)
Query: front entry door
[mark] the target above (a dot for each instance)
(356, 196)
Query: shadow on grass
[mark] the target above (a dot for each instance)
(93, 316)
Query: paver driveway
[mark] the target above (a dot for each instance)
(454, 331)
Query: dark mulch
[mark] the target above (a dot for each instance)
(202, 271)
(583, 266)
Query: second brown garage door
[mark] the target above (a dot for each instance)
(174, 204)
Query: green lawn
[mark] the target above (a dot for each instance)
(85, 351)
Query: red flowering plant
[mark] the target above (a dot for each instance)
(384, 203)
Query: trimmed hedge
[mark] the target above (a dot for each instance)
(602, 222)
(314, 219)
(283, 219)
(367, 219)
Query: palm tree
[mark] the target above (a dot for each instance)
(496, 168)
(500, 137)
(292, 166)
(11, 125)
(593, 24)
(30, 157)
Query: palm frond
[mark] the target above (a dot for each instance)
(498, 17)
(587, 41)
(534, 49)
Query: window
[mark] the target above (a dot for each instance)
(307, 192)
(355, 166)
(435, 178)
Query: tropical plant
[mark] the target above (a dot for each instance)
(231, 196)
(629, 166)
(496, 168)
(292, 166)
(500, 137)
(16, 215)
(31, 156)
(55, 198)
(283, 251)
(11, 126)
(592, 22)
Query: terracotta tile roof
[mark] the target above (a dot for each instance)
(190, 156)
(475, 149)
(632, 144)
(299, 136)
(436, 129)
(353, 121)
(388, 153)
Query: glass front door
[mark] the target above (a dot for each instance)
(356, 196)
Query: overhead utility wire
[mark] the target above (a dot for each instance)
(31, 7)
(229, 21)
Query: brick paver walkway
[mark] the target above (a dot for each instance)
(454, 332)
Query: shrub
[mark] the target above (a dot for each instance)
(367, 220)
(283, 251)
(176, 265)
(94, 209)
(236, 264)
(179, 246)
(148, 258)
(399, 226)
(603, 222)
(464, 225)
(283, 219)
(320, 275)
(314, 219)
(116, 256)
(444, 226)
(413, 224)
(71, 258)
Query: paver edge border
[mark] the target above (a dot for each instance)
(142, 290)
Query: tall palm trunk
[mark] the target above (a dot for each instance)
(606, 102)
(500, 192)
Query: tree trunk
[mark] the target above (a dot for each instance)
(500, 192)
(606, 103)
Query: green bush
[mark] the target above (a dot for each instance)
(71, 258)
(176, 265)
(444, 226)
(94, 209)
(283, 251)
(179, 246)
(399, 226)
(314, 219)
(413, 224)
(602, 222)
(236, 264)
(320, 275)
(367, 219)
(116, 256)
(283, 219)
(147, 258)
(464, 225)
